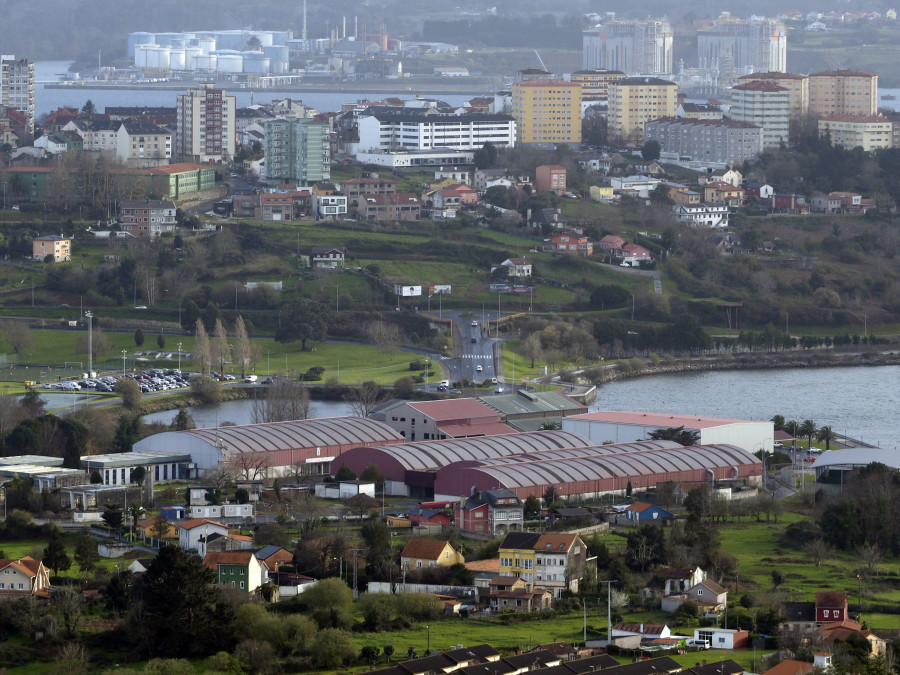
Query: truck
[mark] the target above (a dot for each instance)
(630, 262)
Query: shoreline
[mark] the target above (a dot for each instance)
(464, 89)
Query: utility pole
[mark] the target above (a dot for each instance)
(90, 318)
(609, 583)
(355, 553)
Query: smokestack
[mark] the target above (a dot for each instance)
(304, 21)
(356, 27)
(344, 28)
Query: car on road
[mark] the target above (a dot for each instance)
(442, 387)
(444, 383)
(251, 378)
(494, 380)
(15, 207)
(474, 323)
(474, 340)
(141, 307)
(478, 369)
(498, 390)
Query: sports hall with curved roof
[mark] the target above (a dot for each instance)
(599, 473)
(315, 442)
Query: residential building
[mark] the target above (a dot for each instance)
(298, 151)
(23, 576)
(702, 215)
(98, 135)
(791, 667)
(389, 129)
(723, 638)
(205, 125)
(831, 606)
(518, 268)
(554, 561)
(156, 526)
(147, 218)
(419, 553)
(699, 111)
(440, 420)
(642, 511)
(236, 569)
(732, 47)
(720, 192)
(490, 512)
(143, 144)
(797, 86)
(869, 132)
(276, 206)
(59, 247)
(611, 243)
(371, 184)
(17, 88)
(520, 597)
(517, 556)
(272, 557)
(326, 202)
(547, 111)
(567, 242)
(454, 197)
(843, 92)
(400, 206)
(765, 105)
(331, 257)
(681, 194)
(193, 534)
(551, 178)
(762, 191)
(637, 252)
(175, 181)
(635, 46)
(679, 579)
(843, 630)
(789, 203)
(636, 100)
(717, 141)
(595, 83)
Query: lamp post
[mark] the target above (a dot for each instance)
(428, 642)
(90, 318)
(859, 595)
(179, 356)
(124, 354)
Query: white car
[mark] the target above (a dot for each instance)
(251, 378)
(478, 369)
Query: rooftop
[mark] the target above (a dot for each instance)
(661, 420)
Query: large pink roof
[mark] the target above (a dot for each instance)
(455, 409)
(651, 419)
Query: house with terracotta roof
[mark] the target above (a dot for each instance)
(790, 667)
(637, 252)
(569, 242)
(23, 576)
(419, 553)
(611, 243)
(454, 196)
(843, 630)
(147, 528)
(439, 420)
(554, 561)
(236, 569)
(193, 534)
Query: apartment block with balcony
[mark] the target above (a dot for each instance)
(143, 144)
(205, 125)
(843, 92)
(59, 247)
(721, 141)
(869, 132)
(630, 45)
(17, 88)
(595, 83)
(797, 86)
(298, 151)
(547, 111)
(633, 101)
(147, 218)
(765, 105)
(390, 129)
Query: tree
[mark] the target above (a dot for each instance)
(128, 432)
(183, 420)
(677, 434)
(827, 435)
(130, 392)
(206, 388)
(344, 473)
(189, 315)
(161, 341)
(221, 348)
(819, 551)
(70, 604)
(270, 534)
(88, 108)
(202, 351)
(374, 474)
(333, 648)
(808, 429)
(243, 351)
(363, 398)
(211, 314)
(650, 151)
(17, 335)
(362, 504)
(86, 555)
(486, 156)
(138, 475)
(778, 421)
(404, 387)
(377, 538)
(114, 517)
(280, 402)
(55, 557)
(138, 338)
(304, 320)
(532, 506)
(180, 613)
(329, 603)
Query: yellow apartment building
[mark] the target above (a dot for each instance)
(797, 86)
(843, 92)
(547, 111)
(635, 100)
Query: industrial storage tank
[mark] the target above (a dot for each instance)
(230, 61)
(229, 39)
(277, 53)
(139, 38)
(177, 58)
(170, 39)
(152, 56)
(256, 63)
(207, 44)
(190, 53)
(281, 37)
(204, 62)
(264, 37)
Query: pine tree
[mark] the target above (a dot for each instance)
(86, 555)
(55, 557)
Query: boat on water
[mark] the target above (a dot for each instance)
(888, 97)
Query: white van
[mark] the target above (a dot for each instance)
(699, 644)
(251, 378)
(444, 383)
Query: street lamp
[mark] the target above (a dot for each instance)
(179, 356)
(90, 318)
(124, 354)
(859, 595)
(428, 643)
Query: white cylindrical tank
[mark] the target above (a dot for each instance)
(264, 37)
(230, 62)
(256, 62)
(277, 53)
(177, 58)
(204, 62)
(139, 38)
(207, 44)
(151, 56)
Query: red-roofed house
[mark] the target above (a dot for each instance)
(842, 630)
(550, 177)
(611, 243)
(236, 569)
(790, 667)
(193, 534)
(637, 252)
(439, 420)
(419, 553)
(568, 242)
(831, 606)
(23, 576)
(454, 197)
(276, 206)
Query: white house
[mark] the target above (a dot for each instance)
(518, 267)
(228, 511)
(702, 215)
(723, 638)
(193, 534)
(345, 489)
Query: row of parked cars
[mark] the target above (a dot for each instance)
(147, 380)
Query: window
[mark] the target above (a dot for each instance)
(825, 613)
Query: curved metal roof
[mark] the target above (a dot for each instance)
(591, 451)
(515, 473)
(322, 432)
(433, 455)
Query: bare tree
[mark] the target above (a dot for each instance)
(70, 604)
(221, 348)
(202, 353)
(11, 413)
(150, 285)
(819, 551)
(285, 400)
(242, 346)
(869, 556)
(17, 335)
(363, 398)
(250, 465)
(101, 344)
(385, 335)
